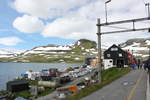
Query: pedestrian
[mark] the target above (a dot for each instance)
(145, 66)
(139, 63)
(132, 66)
(148, 67)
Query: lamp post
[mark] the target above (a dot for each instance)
(148, 9)
(106, 9)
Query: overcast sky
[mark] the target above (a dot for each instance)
(25, 24)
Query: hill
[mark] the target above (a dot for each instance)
(57, 53)
(139, 46)
(71, 53)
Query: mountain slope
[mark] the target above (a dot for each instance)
(71, 53)
(57, 53)
(9, 52)
(139, 46)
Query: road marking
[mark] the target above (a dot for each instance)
(134, 88)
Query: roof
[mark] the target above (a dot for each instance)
(114, 46)
(16, 82)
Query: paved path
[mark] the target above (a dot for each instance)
(129, 87)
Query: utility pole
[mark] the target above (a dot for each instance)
(131, 21)
(148, 9)
(100, 33)
(107, 24)
(99, 50)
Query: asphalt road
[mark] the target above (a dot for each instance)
(129, 87)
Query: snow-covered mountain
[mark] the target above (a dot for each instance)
(9, 52)
(139, 46)
(47, 50)
(71, 53)
(57, 53)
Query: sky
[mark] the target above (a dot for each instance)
(25, 24)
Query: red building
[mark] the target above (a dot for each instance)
(131, 58)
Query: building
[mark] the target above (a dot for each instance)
(131, 58)
(116, 55)
(17, 85)
(92, 61)
(108, 63)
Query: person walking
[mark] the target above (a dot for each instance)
(148, 66)
(145, 66)
(139, 63)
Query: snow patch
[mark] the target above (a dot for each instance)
(135, 44)
(78, 43)
(145, 56)
(77, 58)
(147, 42)
(59, 48)
(136, 48)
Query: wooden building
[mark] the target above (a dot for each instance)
(118, 56)
(17, 85)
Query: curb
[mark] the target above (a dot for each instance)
(148, 88)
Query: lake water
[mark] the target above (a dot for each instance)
(9, 71)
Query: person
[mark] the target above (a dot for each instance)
(148, 66)
(139, 63)
(145, 66)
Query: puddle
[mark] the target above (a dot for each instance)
(126, 83)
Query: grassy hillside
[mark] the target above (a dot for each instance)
(76, 54)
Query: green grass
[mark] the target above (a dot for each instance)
(24, 94)
(46, 92)
(3, 92)
(27, 94)
(107, 77)
(33, 82)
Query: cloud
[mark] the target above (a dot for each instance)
(75, 29)
(82, 23)
(47, 8)
(10, 41)
(75, 19)
(28, 24)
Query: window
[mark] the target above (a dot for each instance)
(108, 55)
(120, 54)
(114, 49)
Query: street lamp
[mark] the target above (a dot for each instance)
(106, 9)
(148, 9)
